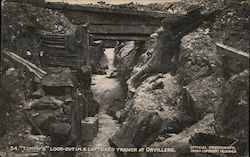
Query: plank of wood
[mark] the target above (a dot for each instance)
(58, 64)
(60, 36)
(32, 67)
(53, 46)
(53, 39)
(58, 51)
(235, 58)
(61, 60)
(51, 54)
(233, 51)
(122, 29)
(78, 17)
(119, 38)
(53, 42)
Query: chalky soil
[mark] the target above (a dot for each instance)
(105, 90)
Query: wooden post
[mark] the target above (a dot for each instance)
(81, 37)
(86, 44)
(78, 116)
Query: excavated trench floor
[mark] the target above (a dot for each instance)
(105, 90)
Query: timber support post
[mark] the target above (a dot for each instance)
(85, 43)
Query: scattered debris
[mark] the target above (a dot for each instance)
(187, 103)
(38, 72)
(198, 87)
(138, 131)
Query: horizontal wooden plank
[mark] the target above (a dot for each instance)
(58, 51)
(233, 51)
(78, 17)
(47, 54)
(119, 38)
(58, 64)
(122, 29)
(62, 43)
(61, 59)
(53, 39)
(49, 46)
(236, 59)
(56, 36)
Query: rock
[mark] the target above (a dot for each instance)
(180, 142)
(46, 103)
(197, 58)
(158, 85)
(126, 55)
(118, 115)
(235, 107)
(58, 77)
(38, 94)
(101, 72)
(59, 129)
(41, 118)
(167, 102)
(114, 108)
(204, 96)
(138, 131)
(160, 75)
(114, 74)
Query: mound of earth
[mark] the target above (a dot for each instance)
(23, 24)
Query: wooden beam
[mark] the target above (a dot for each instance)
(49, 46)
(122, 29)
(109, 43)
(78, 17)
(233, 51)
(120, 38)
(38, 72)
(236, 60)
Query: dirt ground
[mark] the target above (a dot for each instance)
(198, 74)
(195, 97)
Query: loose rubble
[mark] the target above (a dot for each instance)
(198, 58)
(25, 23)
(229, 122)
(182, 106)
(22, 28)
(201, 94)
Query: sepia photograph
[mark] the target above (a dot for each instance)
(124, 78)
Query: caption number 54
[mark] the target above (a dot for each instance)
(13, 148)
